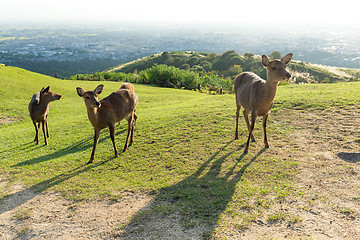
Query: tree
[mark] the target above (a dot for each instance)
(185, 66)
(249, 56)
(275, 55)
(194, 60)
(227, 60)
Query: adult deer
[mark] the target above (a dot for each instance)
(256, 95)
(39, 110)
(110, 110)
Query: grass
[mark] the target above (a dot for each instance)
(22, 214)
(183, 153)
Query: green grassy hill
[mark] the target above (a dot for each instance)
(223, 65)
(211, 72)
(183, 151)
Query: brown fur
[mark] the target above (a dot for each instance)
(127, 86)
(256, 95)
(110, 110)
(39, 110)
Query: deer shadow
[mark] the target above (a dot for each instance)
(77, 147)
(203, 195)
(13, 200)
(349, 157)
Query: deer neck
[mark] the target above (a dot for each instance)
(93, 114)
(270, 88)
(43, 105)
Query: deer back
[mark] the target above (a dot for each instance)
(115, 107)
(127, 86)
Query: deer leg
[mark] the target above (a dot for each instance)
(128, 133)
(264, 127)
(246, 117)
(36, 132)
(132, 130)
(43, 128)
(96, 139)
(253, 119)
(135, 118)
(112, 136)
(47, 129)
(238, 107)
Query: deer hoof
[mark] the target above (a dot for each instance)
(90, 161)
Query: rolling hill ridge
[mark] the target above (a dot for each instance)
(213, 71)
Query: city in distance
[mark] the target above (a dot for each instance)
(71, 49)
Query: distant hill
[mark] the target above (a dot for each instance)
(211, 71)
(230, 64)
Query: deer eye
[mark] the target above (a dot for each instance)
(273, 68)
(87, 97)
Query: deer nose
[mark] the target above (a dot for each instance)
(59, 96)
(97, 104)
(288, 75)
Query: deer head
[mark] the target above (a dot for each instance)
(276, 69)
(91, 97)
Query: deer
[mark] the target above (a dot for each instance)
(108, 111)
(39, 111)
(256, 95)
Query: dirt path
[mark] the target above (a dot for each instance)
(327, 206)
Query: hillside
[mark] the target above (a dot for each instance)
(229, 64)
(211, 72)
(184, 176)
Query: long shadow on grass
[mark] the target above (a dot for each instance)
(11, 152)
(77, 147)
(200, 198)
(11, 201)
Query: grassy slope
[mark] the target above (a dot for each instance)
(317, 72)
(183, 151)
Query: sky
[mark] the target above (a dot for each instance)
(268, 13)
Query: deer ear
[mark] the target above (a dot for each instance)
(80, 91)
(46, 89)
(286, 59)
(99, 89)
(265, 60)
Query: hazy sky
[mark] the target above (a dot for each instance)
(269, 12)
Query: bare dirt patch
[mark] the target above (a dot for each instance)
(7, 120)
(50, 216)
(327, 145)
(326, 204)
